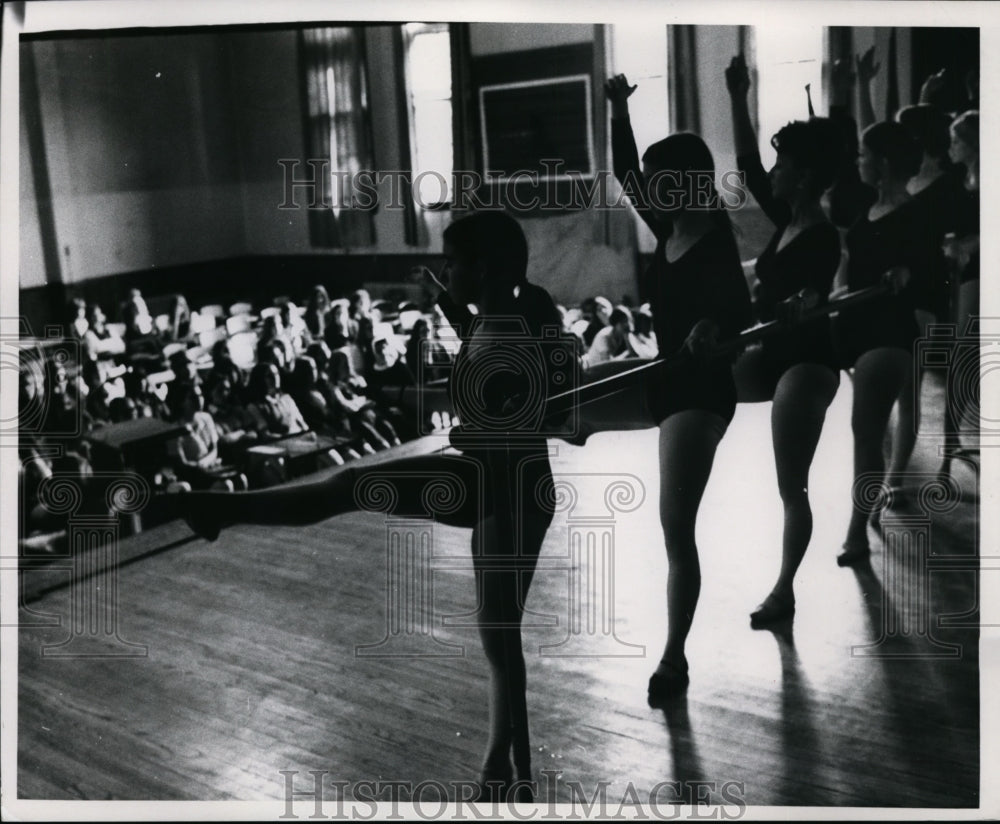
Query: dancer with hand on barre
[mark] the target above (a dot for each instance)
(797, 369)
(698, 295)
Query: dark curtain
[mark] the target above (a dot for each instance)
(338, 132)
(892, 93)
(683, 81)
(465, 112)
(404, 124)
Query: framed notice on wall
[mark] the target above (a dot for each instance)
(538, 127)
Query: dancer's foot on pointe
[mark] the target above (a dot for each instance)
(778, 606)
(854, 553)
(669, 681)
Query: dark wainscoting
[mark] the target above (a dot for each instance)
(258, 280)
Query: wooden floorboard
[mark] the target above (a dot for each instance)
(252, 663)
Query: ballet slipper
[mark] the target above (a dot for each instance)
(202, 524)
(773, 609)
(494, 783)
(853, 554)
(667, 682)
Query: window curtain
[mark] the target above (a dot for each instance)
(414, 226)
(464, 106)
(337, 133)
(892, 77)
(682, 54)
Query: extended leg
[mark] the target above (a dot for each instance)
(447, 487)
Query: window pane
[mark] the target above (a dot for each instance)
(640, 53)
(428, 65)
(788, 57)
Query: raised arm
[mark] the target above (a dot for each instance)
(867, 68)
(624, 154)
(745, 140)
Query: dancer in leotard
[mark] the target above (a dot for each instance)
(698, 295)
(798, 369)
(502, 486)
(937, 189)
(888, 244)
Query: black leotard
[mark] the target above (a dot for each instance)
(810, 261)
(706, 282)
(899, 238)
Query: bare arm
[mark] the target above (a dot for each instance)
(867, 69)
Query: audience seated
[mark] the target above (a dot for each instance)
(98, 340)
(612, 341)
(317, 308)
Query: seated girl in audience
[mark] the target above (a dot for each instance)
(77, 326)
(223, 367)
(235, 424)
(338, 326)
(316, 312)
(179, 328)
(147, 401)
(97, 392)
(274, 412)
(98, 339)
(295, 328)
(359, 410)
(65, 407)
(273, 331)
(643, 340)
(195, 454)
(141, 341)
(426, 358)
(304, 390)
(612, 341)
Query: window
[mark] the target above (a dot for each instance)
(428, 81)
(640, 53)
(787, 58)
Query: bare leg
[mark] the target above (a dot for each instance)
(406, 486)
(503, 597)
(908, 413)
(688, 441)
(878, 376)
(800, 402)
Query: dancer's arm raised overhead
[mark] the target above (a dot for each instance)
(625, 155)
(867, 68)
(745, 140)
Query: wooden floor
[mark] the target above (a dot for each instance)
(252, 665)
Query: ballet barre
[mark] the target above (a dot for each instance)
(598, 390)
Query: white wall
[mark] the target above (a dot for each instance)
(138, 144)
(496, 38)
